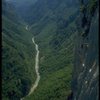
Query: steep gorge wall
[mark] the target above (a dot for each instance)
(85, 82)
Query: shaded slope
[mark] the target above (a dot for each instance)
(85, 82)
(17, 58)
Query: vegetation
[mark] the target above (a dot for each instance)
(82, 8)
(17, 59)
(54, 86)
(92, 6)
(54, 34)
(53, 27)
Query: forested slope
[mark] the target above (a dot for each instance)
(17, 56)
(53, 25)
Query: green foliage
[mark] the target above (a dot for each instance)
(18, 55)
(55, 58)
(54, 86)
(54, 32)
(82, 8)
(92, 6)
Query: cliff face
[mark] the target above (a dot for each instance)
(86, 66)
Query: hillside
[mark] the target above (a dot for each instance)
(22, 7)
(54, 30)
(17, 57)
(64, 53)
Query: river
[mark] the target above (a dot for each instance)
(35, 84)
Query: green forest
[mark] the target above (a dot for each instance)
(53, 25)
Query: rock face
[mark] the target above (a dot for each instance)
(85, 82)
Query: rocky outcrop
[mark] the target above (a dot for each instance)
(85, 78)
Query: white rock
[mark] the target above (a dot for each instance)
(85, 82)
(90, 70)
(83, 64)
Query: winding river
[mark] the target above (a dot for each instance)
(34, 86)
(36, 68)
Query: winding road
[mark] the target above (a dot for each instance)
(34, 86)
